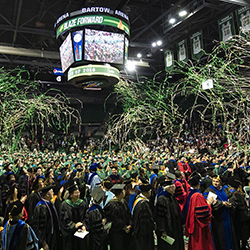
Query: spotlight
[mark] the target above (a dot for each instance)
(139, 55)
(172, 20)
(154, 44)
(159, 43)
(130, 65)
(183, 13)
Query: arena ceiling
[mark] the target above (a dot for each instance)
(29, 24)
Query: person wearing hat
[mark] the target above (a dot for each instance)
(46, 222)
(159, 189)
(93, 179)
(184, 167)
(115, 177)
(143, 222)
(17, 235)
(154, 174)
(39, 172)
(94, 221)
(168, 219)
(10, 180)
(101, 170)
(106, 186)
(207, 181)
(241, 214)
(171, 164)
(49, 177)
(81, 178)
(221, 223)
(72, 216)
(34, 198)
(24, 181)
(199, 215)
(117, 212)
(181, 188)
(12, 196)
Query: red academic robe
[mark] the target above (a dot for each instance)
(197, 224)
(184, 168)
(180, 194)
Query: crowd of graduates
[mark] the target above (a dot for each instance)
(178, 190)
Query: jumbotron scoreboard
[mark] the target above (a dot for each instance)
(93, 45)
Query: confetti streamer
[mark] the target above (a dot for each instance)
(23, 104)
(159, 108)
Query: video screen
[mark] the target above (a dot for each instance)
(66, 53)
(103, 46)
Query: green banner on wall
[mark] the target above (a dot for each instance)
(169, 60)
(243, 18)
(196, 45)
(226, 27)
(182, 51)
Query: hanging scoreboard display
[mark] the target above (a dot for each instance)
(96, 36)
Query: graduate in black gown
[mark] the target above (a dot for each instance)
(72, 215)
(143, 222)
(117, 212)
(240, 213)
(94, 221)
(18, 235)
(33, 199)
(46, 222)
(168, 219)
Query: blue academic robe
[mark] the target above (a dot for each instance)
(19, 236)
(221, 224)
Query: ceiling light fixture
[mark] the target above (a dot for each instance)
(182, 13)
(172, 21)
(139, 55)
(159, 43)
(130, 66)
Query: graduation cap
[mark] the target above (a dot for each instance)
(15, 208)
(134, 175)
(97, 194)
(57, 187)
(194, 180)
(93, 166)
(113, 166)
(35, 184)
(143, 180)
(145, 187)
(171, 176)
(73, 188)
(46, 189)
(9, 174)
(166, 183)
(127, 181)
(118, 187)
(161, 179)
(108, 184)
